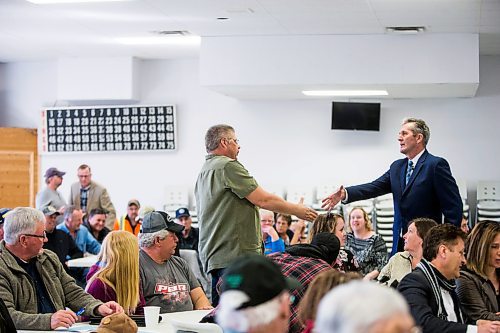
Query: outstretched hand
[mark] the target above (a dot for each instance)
(333, 199)
(306, 213)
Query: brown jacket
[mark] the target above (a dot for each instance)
(477, 296)
(98, 197)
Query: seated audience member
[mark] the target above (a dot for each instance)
(254, 303)
(72, 226)
(58, 241)
(368, 248)
(189, 237)
(96, 224)
(298, 228)
(129, 221)
(464, 225)
(430, 288)
(3, 213)
(479, 283)
(282, 226)
(363, 307)
(166, 280)
(322, 284)
(33, 283)
(304, 262)
(116, 275)
(403, 263)
(334, 223)
(272, 241)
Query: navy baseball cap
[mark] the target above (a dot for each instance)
(3, 213)
(181, 212)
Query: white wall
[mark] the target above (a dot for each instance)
(282, 142)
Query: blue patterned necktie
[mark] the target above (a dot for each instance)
(409, 171)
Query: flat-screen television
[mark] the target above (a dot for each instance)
(356, 116)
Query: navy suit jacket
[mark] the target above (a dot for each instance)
(417, 291)
(431, 191)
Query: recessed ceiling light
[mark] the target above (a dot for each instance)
(349, 93)
(160, 40)
(222, 18)
(48, 2)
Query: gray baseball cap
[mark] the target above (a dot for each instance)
(157, 220)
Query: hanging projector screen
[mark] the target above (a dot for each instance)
(356, 116)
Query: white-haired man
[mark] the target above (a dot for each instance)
(33, 283)
(364, 307)
(255, 303)
(166, 280)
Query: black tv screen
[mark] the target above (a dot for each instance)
(356, 116)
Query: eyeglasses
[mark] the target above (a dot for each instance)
(37, 236)
(235, 140)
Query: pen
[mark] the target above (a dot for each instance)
(80, 312)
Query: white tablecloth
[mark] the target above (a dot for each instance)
(163, 327)
(82, 262)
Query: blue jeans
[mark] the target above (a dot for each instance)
(216, 274)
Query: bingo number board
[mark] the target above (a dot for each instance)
(109, 128)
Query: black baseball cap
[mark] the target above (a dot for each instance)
(258, 277)
(157, 220)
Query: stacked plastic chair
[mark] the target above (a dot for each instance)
(488, 201)
(384, 218)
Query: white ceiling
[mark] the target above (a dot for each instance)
(32, 32)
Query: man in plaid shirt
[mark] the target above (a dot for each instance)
(304, 262)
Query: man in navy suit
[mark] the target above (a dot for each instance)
(422, 184)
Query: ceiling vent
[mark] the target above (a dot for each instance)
(405, 30)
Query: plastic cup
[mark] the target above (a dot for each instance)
(151, 315)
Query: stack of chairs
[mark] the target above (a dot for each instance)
(488, 201)
(384, 218)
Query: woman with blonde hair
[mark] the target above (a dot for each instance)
(478, 286)
(116, 275)
(319, 287)
(334, 223)
(368, 248)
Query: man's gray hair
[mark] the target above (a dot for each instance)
(68, 212)
(21, 220)
(419, 127)
(357, 305)
(242, 320)
(215, 134)
(148, 240)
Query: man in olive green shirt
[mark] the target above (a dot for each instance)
(228, 199)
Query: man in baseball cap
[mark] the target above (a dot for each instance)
(129, 221)
(255, 296)
(50, 196)
(166, 280)
(189, 237)
(58, 241)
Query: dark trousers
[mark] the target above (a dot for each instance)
(216, 274)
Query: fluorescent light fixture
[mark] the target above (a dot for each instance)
(48, 2)
(345, 93)
(160, 40)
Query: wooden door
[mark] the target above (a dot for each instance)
(18, 167)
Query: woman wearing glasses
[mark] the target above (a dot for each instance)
(479, 283)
